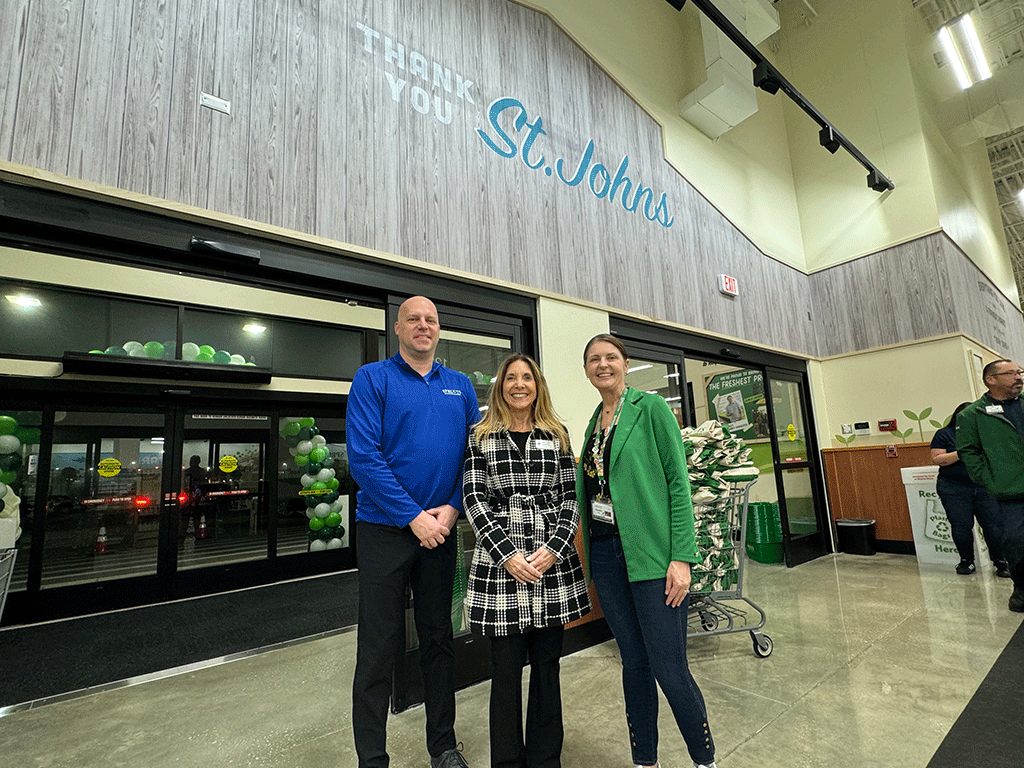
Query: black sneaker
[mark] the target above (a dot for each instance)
(1017, 600)
(1002, 569)
(451, 758)
(966, 567)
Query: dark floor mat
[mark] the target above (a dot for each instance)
(44, 660)
(988, 731)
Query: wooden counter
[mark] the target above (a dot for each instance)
(864, 482)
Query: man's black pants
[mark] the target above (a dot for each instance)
(1012, 511)
(390, 559)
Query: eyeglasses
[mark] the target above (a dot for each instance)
(1018, 372)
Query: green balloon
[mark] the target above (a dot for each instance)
(333, 520)
(206, 349)
(95, 351)
(316, 523)
(116, 351)
(28, 435)
(7, 425)
(318, 454)
(8, 477)
(312, 501)
(222, 357)
(313, 468)
(292, 428)
(306, 421)
(11, 462)
(301, 459)
(204, 358)
(316, 487)
(305, 433)
(333, 483)
(154, 349)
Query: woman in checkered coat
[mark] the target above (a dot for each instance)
(526, 581)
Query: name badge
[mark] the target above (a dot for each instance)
(602, 511)
(544, 445)
(993, 409)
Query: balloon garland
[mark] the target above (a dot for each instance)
(13, 437)
(320, 486)
(190, 352)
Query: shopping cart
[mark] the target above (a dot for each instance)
(721, 538)
(6, 571)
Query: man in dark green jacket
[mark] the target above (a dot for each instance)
(990, 443)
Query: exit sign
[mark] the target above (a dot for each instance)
(728, 285)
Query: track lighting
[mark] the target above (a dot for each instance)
(878, 182)
(827, 137)
(764, 79)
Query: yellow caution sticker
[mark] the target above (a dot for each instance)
(109, 467)
(228, 464)
(791, 432)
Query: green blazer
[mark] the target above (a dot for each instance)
(650, 488)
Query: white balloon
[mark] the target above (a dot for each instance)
(334, 544)
(305, 446)
(309, 514)
(10, 444)
(133, 348)
(237, 360)
(3, 490)
(336, 505)
(189, 350)
(322, 509)
(307, 480)
(323, 475)
(318, 546)
(293, 450)
(318, 440)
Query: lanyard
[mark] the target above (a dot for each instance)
(600, 440)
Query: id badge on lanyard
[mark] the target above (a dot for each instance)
(601, 508)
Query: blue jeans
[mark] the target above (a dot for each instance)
(652, 642)
(964, 503)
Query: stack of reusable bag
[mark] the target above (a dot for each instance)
(716, 460)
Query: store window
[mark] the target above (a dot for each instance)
(103, 507)
(735, 397)
(222, 499)
(657, 378)
(19, 471)
(45, 323)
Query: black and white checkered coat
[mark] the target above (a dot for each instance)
(518, 504)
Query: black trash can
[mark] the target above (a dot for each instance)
(856, 535)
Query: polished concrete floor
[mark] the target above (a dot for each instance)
(874, 658)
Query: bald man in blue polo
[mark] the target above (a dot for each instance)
(407, 426)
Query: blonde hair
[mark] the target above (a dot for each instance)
(498, 417)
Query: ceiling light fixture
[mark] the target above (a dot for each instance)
(254, 328)
(962, 47)
(827, 139)
(26, 302)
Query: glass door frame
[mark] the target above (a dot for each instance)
(189, 582)
(798, 548)
(642, 339)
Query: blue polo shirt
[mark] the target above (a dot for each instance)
(406, 437)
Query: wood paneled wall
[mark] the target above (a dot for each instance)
(319, 140)
(923, 288)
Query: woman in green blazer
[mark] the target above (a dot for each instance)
(638, 533)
